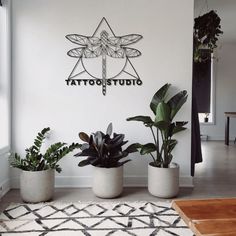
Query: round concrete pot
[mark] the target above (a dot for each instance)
(108, 182)
(37, 186)
(163, 182)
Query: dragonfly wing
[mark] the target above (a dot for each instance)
(129, 39)
(94, 41)
(78, 39)
(115, 53)
(76, 52)
(131, 52)
(114, 41)
(91, 52)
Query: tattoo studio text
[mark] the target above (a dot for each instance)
(98, 82)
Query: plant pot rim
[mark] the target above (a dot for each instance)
(108, 167)
(173, 165)
(37, 171)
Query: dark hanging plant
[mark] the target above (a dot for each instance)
(207, 30)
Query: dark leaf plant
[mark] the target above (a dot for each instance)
(207, 30)
(104, 149)
(164, 110)
(36, 161)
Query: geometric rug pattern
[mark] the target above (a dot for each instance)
(92, 219)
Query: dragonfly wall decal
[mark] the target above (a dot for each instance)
(105, 45)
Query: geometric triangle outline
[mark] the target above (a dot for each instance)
(70, 225)
(164, 233)
(89, 222)
(168, 219)
(130, 70)
(136, 223)
(98, 232)
(51, 223)
(14, 224)
(110, 212)
(180, 231)
(58, 215)
(122, 220)
(81, 214)
(30, 226)
(107, 224)
(77, 70)
(144, 232)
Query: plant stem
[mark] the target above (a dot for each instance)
(153, 135)
(153, 158)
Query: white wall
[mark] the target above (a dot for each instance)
(40, 66)
(225, 95)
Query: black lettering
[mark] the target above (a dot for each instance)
(121, 82)
(67, 82)
(85, 81)
(128, 82)
(98, 82)
(139, 82)
(73, 82)
(78, 81)
(91, 82)
(109, 82)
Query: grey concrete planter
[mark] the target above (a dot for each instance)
(37, 186)
(107, 182)
(163, 182)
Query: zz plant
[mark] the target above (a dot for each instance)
(36, 161)
(104, 150)
(164, 111)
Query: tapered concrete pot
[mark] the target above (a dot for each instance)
(37, 186)
(163, 182)
(108, 182)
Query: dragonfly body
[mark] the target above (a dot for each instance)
(115, 47)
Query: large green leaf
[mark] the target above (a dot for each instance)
(133, 148)
(84, 137)
(148, 148)
(145, 119)
(162, 112)
(84, 163)
(176, 102)
(162, 125)
(158, 97)
(109, 129)
(179, 126)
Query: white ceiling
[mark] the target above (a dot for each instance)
(226, 9)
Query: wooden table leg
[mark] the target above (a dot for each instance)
(227, 130)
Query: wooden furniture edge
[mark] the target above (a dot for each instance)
(181, 214)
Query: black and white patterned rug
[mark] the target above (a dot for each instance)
(92, 219)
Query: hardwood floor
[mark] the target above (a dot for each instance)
(215, 177)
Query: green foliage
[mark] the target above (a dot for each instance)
(103, 150)
(36, 161)
(164, 111)
(207, 29)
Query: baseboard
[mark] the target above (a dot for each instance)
(86, 181)
(4, 187)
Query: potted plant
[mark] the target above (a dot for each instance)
(105, 153)
(163, 175)
(207, 29)
(38, 169)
